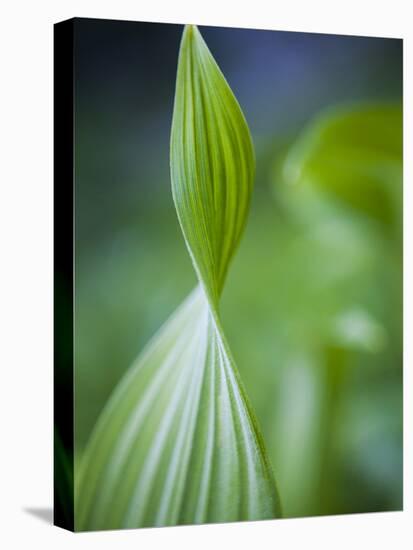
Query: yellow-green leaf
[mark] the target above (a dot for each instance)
(212, 162)
(177, 442)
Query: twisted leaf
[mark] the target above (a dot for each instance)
(177, 442)
(212, 162)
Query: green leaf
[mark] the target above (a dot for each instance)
(212, 162)
(355, 155)
(177, 442)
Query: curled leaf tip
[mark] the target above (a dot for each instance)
(212, 163)
(178, 442)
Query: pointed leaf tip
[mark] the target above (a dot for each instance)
(212, 162)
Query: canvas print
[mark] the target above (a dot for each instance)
(228, 274)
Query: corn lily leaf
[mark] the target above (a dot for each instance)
(177, 442)
(212, 162)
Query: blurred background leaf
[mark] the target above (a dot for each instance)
(348, 163)
(355, 154)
